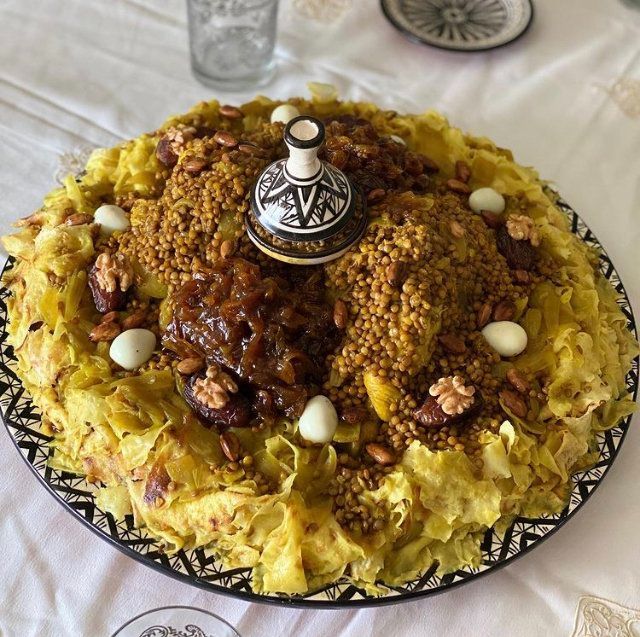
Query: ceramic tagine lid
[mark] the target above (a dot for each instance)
(304, 210)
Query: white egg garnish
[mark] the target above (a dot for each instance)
(506, 337)
(398, 140)
(486, 199)
(319, 420)
(284, 113)
(132, 348)
(111, 219)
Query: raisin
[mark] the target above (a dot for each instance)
(520, 254)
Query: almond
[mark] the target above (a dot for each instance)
(504, 311)
(225, 139)
(452, 343)
(230, 445)
(513, 403)
(458, 186)
(190, 366)
(195, 166)
(518, 380)
(463, 172)
(136, 319)
(376, 195)
(340, 314)
(78, 219)
(104, 332)
(484, 315)
(381, 454)
(231, 112)
(396, 273)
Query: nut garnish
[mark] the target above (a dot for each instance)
(514, 403)
(381, 454)
(195, 166)
(136, 319)
(213, 390)
(109, 317)
(78, 219)
(484, 315)
(231, 112)
(463, 172)
(518, 380)
(226, 248)
(396, 273)
(376, 195)
(452, 394)
(179, 135)
(523, 228)
(190, 366)
(457, 229)
(225, 139)
(458, 186)
(113, 272)
(104, 332)
(452, 343)
(340, 314)
(230, 445)
(504, 311)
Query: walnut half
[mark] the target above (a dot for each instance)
(453, 396)
(523, 228)
(213, 390)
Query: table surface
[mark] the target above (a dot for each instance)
(565, 98)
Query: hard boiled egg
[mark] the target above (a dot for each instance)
(111, 219)
(319, 420)
(132, 348)
(506, 337)
(486, 199)
(284, 113)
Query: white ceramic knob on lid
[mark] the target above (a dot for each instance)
(305, 210)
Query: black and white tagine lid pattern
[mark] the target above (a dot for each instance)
(199, 567)
(460, 25)
(303, 208)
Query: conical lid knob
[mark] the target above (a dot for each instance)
(304, 210)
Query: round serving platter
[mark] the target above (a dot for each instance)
(199, 567)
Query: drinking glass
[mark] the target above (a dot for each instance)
(232, 42)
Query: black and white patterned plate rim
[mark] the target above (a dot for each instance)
(460, 25)
(199, 567)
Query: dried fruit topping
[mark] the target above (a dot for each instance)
(518, 380)
(514, 403)
(491, 219)
(170, 145)
(231, 112)
(520, 255)
(104, 332)
(109, 279)
(431, 413)
(230, 445)
(463, 172)
(381, 454)
(452, 394)
(273, 333)
(458, 186)
(236, 411)
(504, 311)
(452, 343)
(523, 228)
(214, 388)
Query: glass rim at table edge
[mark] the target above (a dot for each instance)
(367, 602)
(177, 606)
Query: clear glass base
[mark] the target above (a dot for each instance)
(244, 83)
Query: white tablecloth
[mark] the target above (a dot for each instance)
(565, 98)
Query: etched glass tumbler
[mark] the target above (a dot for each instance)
(232, 42)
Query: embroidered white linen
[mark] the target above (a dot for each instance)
(565, 98)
